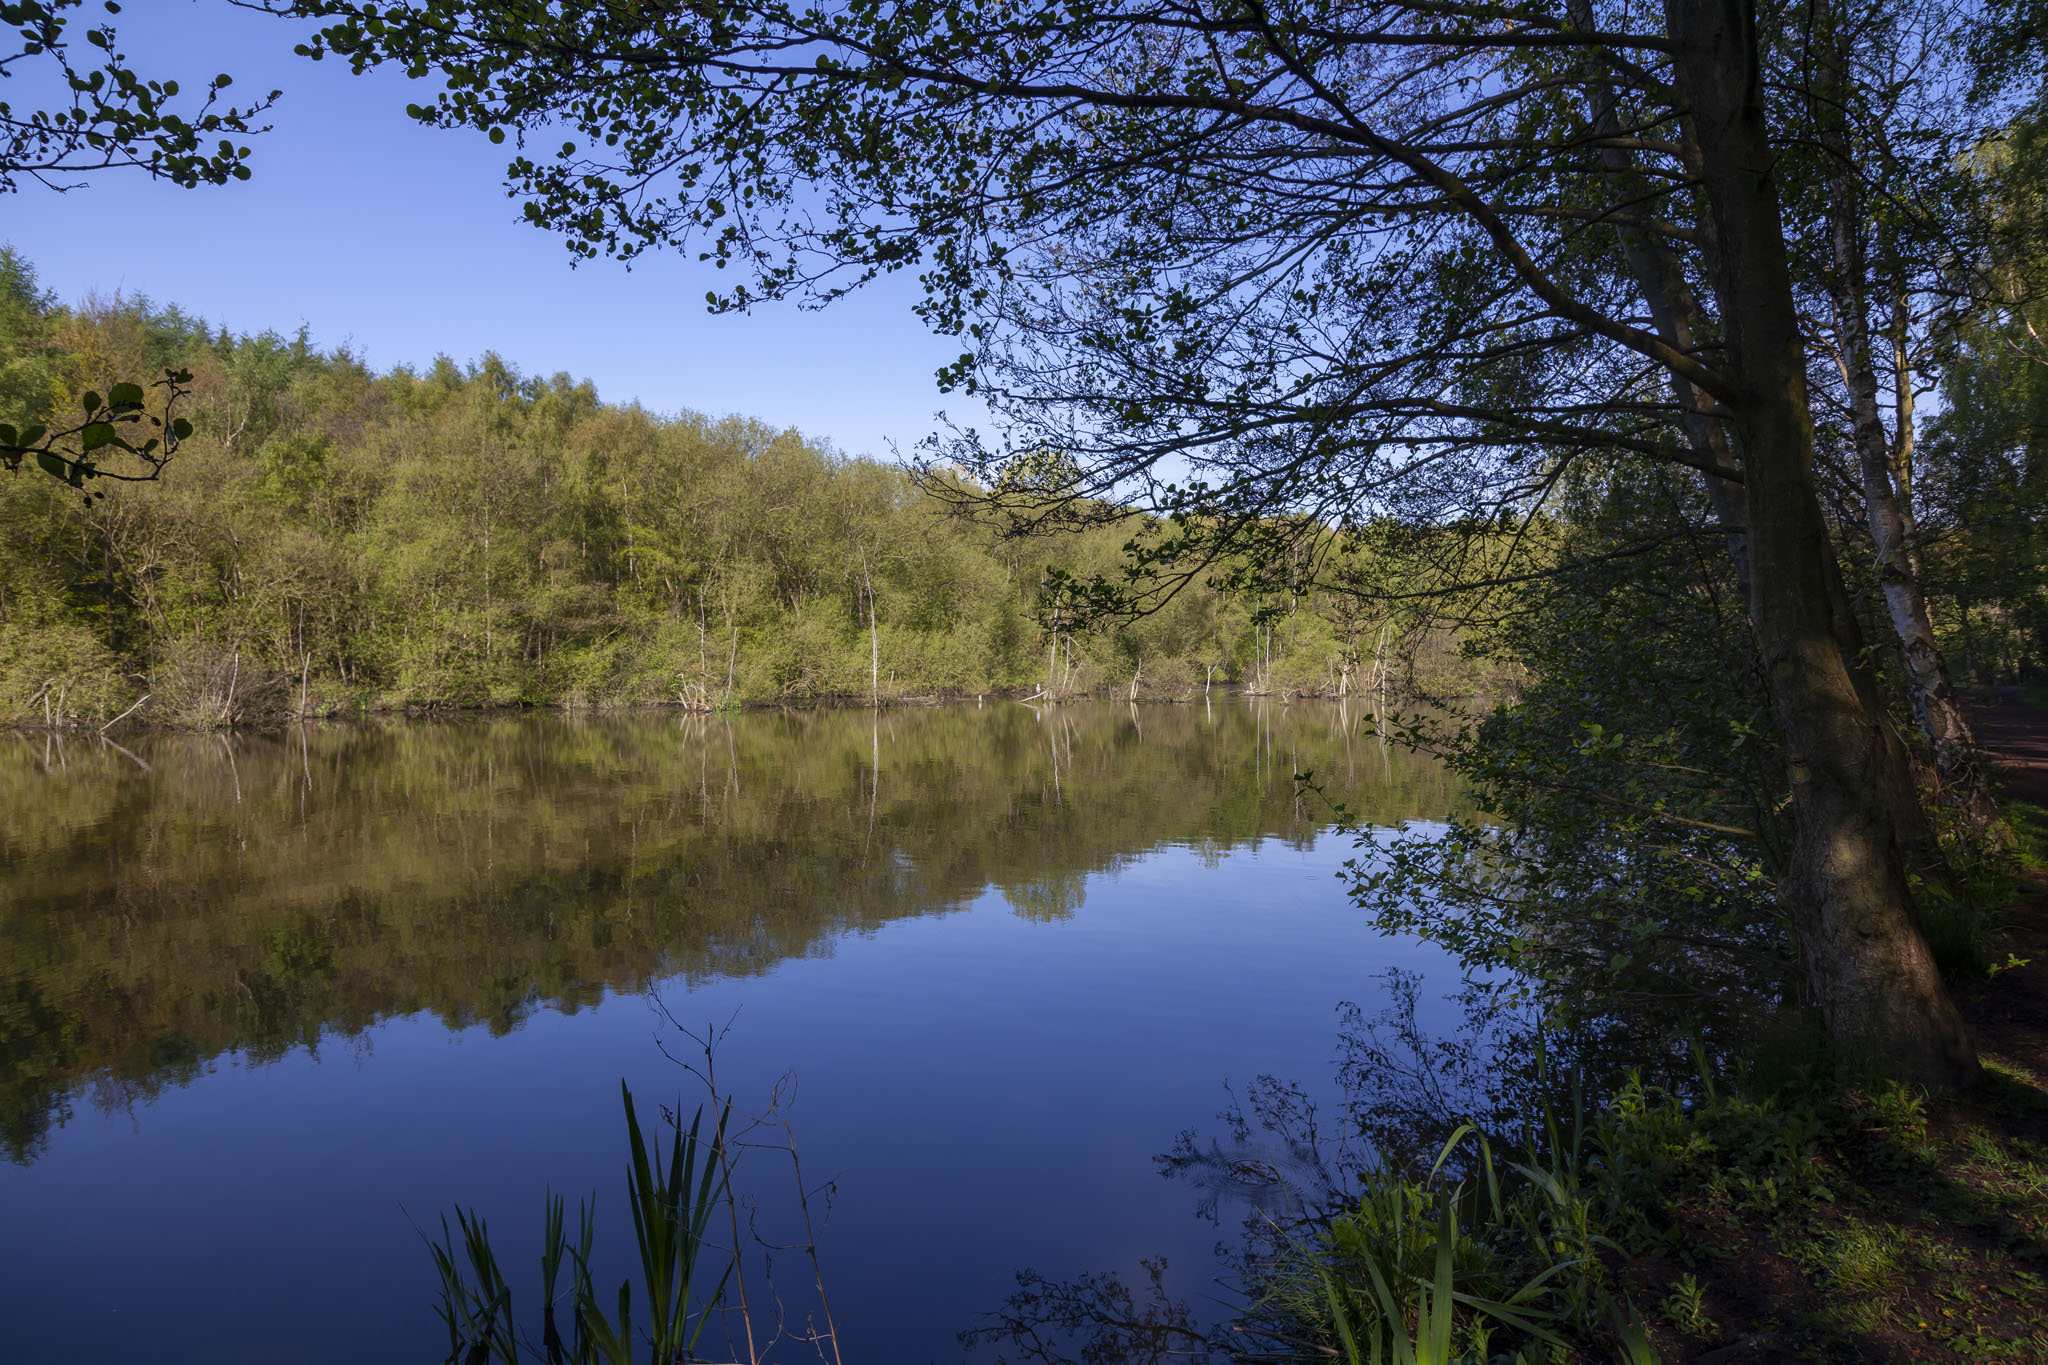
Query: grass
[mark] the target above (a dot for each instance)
(2030, 831)
(1868, 1225)
(1503, 1251)
(1917, 1231)
(1966, 912)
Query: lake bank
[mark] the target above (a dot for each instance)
(136, 718)
(1880, 1224)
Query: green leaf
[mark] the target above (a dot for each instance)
(126, 396)
(97, 434)
(52, 465)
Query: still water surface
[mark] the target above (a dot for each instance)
(267, 1002)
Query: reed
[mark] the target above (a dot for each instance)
(672, 1194)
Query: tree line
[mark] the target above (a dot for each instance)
(333, 538)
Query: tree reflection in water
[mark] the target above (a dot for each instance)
(189, 896)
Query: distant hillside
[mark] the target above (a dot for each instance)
(334, 539)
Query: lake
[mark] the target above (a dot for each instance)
(270, 1004)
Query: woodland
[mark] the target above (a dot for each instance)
(334, 540)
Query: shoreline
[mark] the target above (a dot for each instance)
(133, 721)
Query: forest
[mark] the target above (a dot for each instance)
(331, 539)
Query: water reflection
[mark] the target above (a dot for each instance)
(187, 896)
(262, 995)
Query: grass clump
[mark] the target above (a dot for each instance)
(1505, 1250)
(2029, 824)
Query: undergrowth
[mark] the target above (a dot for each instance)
(1660, 1226)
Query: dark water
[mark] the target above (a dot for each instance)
(267, 1002)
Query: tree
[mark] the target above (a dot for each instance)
(1987, 453)
(1889, 275)
(1338, 258)
(104, 117)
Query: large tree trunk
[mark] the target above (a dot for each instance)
(1866, 963)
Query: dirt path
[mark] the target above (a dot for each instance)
(2015, 737)
(2010, 1010)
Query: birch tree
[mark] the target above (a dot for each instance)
(1893, 236)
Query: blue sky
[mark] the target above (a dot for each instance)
(399, 240)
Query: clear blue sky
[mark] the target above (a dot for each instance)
(399, 240)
